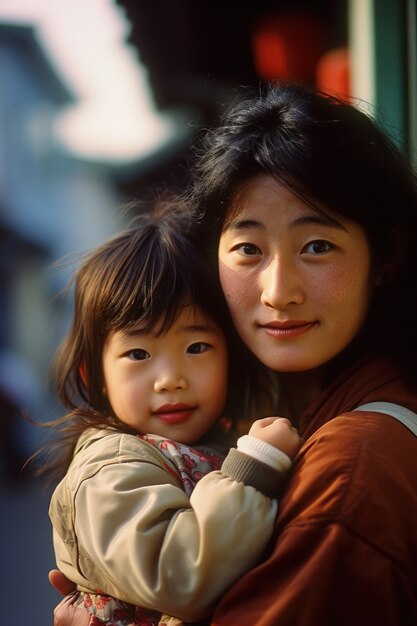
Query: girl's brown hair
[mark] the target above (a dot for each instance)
(145, 276)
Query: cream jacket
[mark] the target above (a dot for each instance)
(123, 524)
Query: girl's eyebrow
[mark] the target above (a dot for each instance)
(133, 332)
(199, 328)
(188, 328)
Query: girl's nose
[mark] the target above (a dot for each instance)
(170, 382)
(281, 285)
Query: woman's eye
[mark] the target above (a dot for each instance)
(198, 347)
(320, 246)
(138, 354)
(247, 249)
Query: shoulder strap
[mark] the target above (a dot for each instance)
(403, 415)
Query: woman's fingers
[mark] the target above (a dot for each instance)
(66, 615)
(61, 582)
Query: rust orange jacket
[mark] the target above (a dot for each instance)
(344, 552)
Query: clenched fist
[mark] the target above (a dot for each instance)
(278, 432)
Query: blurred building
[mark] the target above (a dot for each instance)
(52, 206)
(197, 53)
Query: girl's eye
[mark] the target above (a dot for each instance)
(138, 354)
(320, 246)
(247, 249)
(198, 347)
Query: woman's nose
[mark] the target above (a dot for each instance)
(281, 285)
(170, 381)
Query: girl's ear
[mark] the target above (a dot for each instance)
(387, 269)
(83, 373)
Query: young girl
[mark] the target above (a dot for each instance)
(140, 515)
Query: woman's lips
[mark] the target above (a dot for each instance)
(287, 330)
(174, 413)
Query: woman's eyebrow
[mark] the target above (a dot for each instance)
(319, 219)
(244, 225)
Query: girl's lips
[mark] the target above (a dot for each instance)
(174, 413)
(287, 330)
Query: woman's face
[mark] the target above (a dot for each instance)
(298, 283)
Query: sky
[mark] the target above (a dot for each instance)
(114, 117)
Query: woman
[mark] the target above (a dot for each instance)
(313, 216)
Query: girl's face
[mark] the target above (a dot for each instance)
(173, 385)
(298, 283)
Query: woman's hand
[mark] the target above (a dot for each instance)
(278, 432)
(61, 582)
(64, 613)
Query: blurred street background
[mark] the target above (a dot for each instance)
(26, 556)
(99, 103)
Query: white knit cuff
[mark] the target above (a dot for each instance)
(264, 452)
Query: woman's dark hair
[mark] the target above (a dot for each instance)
(144, 276)
(330, 154)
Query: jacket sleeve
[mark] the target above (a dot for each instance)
(344, 547)
(142, 540)
(322, 575)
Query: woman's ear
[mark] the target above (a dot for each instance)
(387, 268)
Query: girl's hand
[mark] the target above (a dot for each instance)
(278, 432)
